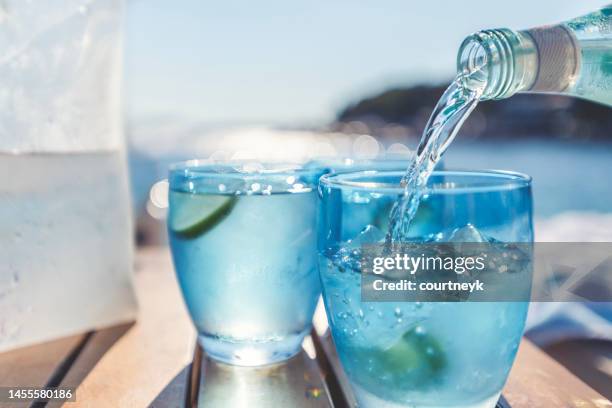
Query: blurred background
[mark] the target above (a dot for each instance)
(291, 81)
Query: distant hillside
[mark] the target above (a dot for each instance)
(523, 116)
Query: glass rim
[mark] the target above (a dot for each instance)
(500, 180)
(205, 168)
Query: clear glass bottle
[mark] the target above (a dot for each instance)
(573, 58)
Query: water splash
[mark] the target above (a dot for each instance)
(453, 108)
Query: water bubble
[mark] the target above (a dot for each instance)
(418, 305)
(297, 188)
(398, 312)
(361, 314)
(255, 187)
(420, 330)
(222, 187)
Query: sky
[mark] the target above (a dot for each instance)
(277, 62)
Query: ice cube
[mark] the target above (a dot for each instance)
(369, 235)
(464, 240)
(469, 233)
(349, 255)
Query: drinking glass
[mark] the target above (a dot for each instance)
(422, 354)
(243, 240)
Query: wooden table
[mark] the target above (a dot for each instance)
(153, 363)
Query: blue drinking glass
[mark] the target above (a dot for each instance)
(422, 354)
(243, 240)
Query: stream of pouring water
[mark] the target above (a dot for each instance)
(453, 108)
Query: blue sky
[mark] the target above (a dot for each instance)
(298, 63)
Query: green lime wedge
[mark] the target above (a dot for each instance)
(415, 349)
(416, 358)
(194, 214)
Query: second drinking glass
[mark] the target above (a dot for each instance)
(243, 239)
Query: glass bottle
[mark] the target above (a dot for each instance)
(573, 58)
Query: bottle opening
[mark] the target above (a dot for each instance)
(472, 64)
(487, 59)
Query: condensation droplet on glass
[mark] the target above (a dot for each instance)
(296, 188)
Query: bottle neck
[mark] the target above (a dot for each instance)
(503, 62)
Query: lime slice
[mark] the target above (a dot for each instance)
(415, 349)
(416, 359)
(195, 214)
